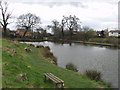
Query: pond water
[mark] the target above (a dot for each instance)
(87, 57)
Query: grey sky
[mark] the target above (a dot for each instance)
(98, 14)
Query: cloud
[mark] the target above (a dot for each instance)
(75, 4)
(51, 3)
(98, 14)
(38, 1)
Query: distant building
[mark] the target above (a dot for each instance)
(75, 32)
(115, 33)
(103, 33)
(20, 32)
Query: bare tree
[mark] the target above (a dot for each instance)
(63, 22)
(55, 24)
(55, 27)
(40, 32)
(73, 23)
(5, 16)
(28, 21)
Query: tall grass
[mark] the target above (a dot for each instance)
(72, 67)
(93, 75)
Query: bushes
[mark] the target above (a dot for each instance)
(72, 67)
(93, 75)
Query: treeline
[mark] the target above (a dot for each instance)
(68, 28)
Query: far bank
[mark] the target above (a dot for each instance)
(110, 41)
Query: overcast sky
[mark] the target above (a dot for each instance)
(97, 14)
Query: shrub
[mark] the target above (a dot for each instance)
(32, 45)
(72, 67)
(93, 75)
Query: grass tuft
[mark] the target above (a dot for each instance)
(71, 66)
(93, 75)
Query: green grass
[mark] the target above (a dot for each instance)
(109, 40)
(34, 66)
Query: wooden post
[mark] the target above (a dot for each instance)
(62, 85)
(44, 78)
(56, 85)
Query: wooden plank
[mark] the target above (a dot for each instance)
(47, 75)
(58, 81)
(54, 78)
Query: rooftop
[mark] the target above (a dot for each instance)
(115, 31)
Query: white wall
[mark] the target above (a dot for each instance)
(114, 34)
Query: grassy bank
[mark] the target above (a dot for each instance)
(23, 69)
(109, 40)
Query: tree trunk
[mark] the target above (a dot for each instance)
(25, 33)
(71, 34)
(27, 28)
(5, 31)
(62, 33)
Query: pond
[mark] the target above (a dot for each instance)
(87, 57)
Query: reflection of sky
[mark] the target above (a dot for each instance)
(99, 48)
